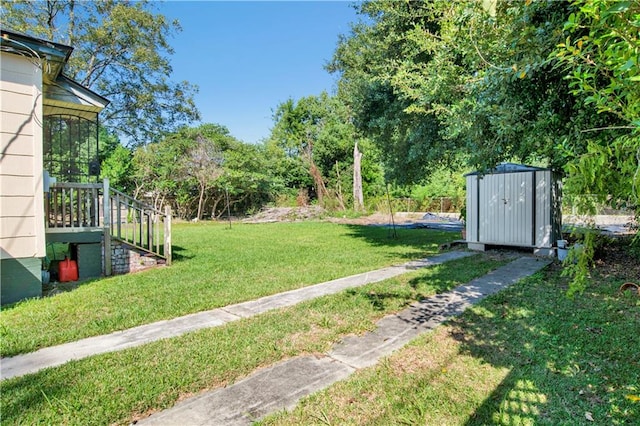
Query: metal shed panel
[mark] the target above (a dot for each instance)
(472, 208)
(544, 229)
(514, 205)
(490, 188)
(519, 212)
(505, 202)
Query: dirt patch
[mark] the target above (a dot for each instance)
(287, 214)
(374, 219)
(613, 261)
(618, 260)
(297, 214)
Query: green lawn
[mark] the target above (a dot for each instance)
(214, 266)
(527, 355)
(118, 388)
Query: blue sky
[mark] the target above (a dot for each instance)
(248, 57)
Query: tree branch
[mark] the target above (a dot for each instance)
(597, 129)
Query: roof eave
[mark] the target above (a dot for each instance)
(54, 55)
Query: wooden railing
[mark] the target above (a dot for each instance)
(78, 207)
(137, 223)
(73, 205)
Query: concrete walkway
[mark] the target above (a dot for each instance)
(282, 385)
(57, 355)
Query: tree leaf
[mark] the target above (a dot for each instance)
(619, 7)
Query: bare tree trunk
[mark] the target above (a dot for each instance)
(358, 198)
(203, 187)
(72, 24)
(316, 174)
(214, 206)
(137, 191)
(321, 188)
(156, 199)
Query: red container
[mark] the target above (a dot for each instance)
(68, 270)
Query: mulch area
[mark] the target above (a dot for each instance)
(619, 261)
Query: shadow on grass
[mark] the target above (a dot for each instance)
(439, 282)
(423, 240)
(29, 391)
(179, 254)
(568, 360)
(424, 286)
(378, 300)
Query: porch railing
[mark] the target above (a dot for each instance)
(137, 223)
(75, 207)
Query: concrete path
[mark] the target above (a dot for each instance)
(57, 355)
(282, 385)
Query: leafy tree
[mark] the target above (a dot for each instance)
(442, 83)
(204, 163)
(298, 127)
(122, 52)
(291, 137)
(289, 173)
(118, 168)
(156, 173)
(436, 81)
(601, 57)
(115, 161)
(197, 168)
(383, 64)
(247, 182)
(317, 138)
(200, 163)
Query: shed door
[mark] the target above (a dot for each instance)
(506, 207)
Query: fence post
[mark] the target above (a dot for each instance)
(167, 234)
(106, 226)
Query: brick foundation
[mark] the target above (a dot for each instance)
(126, 259)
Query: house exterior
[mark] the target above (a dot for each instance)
(33, 94)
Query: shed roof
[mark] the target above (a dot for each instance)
(508, 168)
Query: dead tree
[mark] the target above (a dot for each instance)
(358, 198)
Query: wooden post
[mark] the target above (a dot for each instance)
(167, 234)
(47, 208)
(118, 217)
(149, 231)
(106, 227)
(64, 208)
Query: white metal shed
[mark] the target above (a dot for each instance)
(514, 205)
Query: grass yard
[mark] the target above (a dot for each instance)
(214, 266)
(118, 388)
(526, 356)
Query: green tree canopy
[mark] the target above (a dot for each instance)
(544, 81)
(316, 137)
(439, 82)
(116, 161)
(197, 169)
(601, 57)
